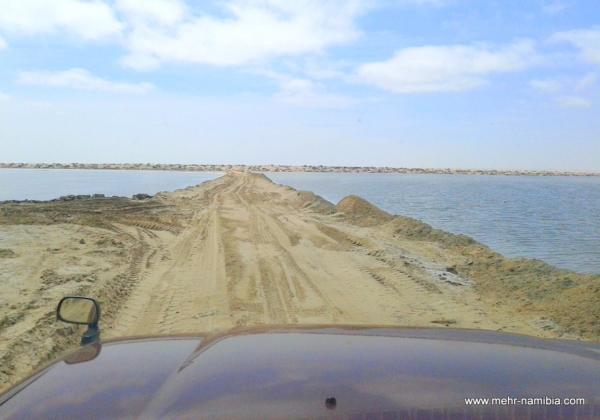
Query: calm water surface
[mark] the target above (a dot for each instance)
(46, 184)
(555, 219)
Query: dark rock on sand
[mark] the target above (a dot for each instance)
(141, 196)
(7, 253)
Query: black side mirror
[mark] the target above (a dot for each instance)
(83, 311)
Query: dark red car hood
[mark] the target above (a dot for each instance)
(289, 373)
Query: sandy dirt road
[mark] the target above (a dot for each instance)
(256, 253)
(244, 251)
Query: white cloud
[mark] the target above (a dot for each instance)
(574, 102)
(88, 19)
(546, 85)
(304, 92)
(568, 92)
(165, 12)
(586, 40)
(586, 81)
(248, 31)
(140, 62)
(81, 79)
(436, 3)
(319, 69)
(4, 97)
(445, 68)
(554, 7)
(2, 43)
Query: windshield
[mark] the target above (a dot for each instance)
(200, 166)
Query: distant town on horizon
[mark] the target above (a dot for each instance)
(291, 168)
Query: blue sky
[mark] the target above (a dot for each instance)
(419, 83)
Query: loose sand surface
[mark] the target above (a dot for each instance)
(243, 251)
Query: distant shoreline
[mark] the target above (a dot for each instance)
(291, 168)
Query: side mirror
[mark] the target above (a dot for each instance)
(82, 311)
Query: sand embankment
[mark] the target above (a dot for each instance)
(242, 250)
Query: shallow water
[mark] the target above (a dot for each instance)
(555, 219)
(46, 184)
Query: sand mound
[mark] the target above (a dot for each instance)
(361, 212)
(315, 202)
(568, 299)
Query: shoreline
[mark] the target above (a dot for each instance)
(501, 244)
(295, 169)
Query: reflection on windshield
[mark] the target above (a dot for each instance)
(84, 354)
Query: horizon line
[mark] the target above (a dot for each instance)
(219, 167)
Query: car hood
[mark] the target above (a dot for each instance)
(291, 372)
